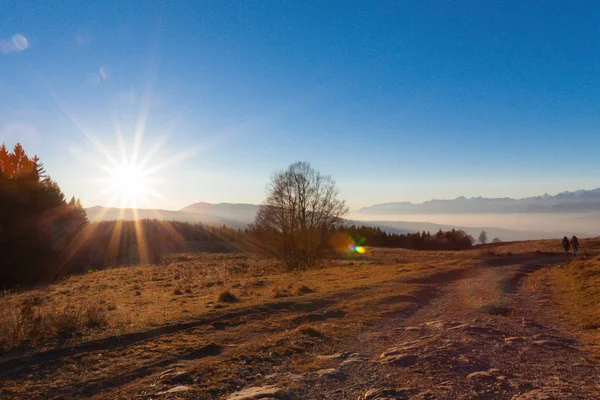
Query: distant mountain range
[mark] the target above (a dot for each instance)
(240, 215)
(580, 201)
(492, 232)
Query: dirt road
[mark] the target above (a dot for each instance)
(485, 336)
(479, 332)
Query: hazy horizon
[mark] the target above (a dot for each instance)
(579, 222)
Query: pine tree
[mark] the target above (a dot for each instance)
(36, 222)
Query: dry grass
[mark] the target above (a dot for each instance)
(577, 286)
(315, 311)
(142, 297)
(139, 298)
(277, 292)
(310, 330)
(32, 325)
(302, 289)
(227, 297)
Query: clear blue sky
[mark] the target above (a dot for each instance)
(398, 100)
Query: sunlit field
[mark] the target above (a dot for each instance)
(204, 303)
(188, 286)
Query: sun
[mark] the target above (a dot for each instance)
(130, 184)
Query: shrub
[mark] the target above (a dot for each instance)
(227, 297)
(302, 289)
(309, 330)
(32, 326)
(277, 292)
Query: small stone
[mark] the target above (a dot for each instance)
(336, 356)
(401, 360)
(176, 389)
(514, 339)
(331, 373)
(258, 392)
(353, 358)
(181, 377)
(412, 328)
(480, 375)
(437, 324)
(403, 348)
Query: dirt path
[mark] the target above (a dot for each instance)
(474, 332)
(480, 339)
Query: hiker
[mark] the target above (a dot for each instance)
(565, 244)
(575, 244)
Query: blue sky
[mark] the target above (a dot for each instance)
(399, 100)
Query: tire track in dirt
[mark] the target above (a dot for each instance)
(130, 379)
(454, 349)
(310, 311)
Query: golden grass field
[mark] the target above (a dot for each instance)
(97, 333)
(137, 298)
(576, 287)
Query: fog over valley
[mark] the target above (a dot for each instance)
(538, 217)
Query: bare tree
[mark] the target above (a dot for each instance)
(496, 240)
(301, 210)
(483, 237)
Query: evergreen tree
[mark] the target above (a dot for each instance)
(36, 223)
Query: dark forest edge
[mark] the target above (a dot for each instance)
(107, 244)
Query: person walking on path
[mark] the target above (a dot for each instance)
(565, 244)
(575, 244)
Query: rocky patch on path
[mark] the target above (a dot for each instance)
(434, 353)
(464, 353)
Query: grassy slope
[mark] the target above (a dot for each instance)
(135, 299)
(138, 300)
(161, 314)
(577, 286)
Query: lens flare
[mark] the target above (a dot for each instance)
(358, 249)
(346, 244)
(20, 42)
(17, 44)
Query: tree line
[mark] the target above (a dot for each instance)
(441, 240)
(37, 223)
